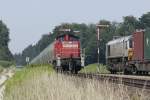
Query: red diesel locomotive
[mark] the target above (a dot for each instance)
(67, 53)
(64, 53)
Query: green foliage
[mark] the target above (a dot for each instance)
(25, 74)
(6, 63)
(4, 34)
(1, 69)
(88, 37)
(93, 68)
(5, 54)
(33, 50)
(145, 20)
(104, 22)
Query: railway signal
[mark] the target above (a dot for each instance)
(99, 27)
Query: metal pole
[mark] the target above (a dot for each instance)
(98, 43)
(98, 38)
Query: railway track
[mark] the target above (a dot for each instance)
(132, 81)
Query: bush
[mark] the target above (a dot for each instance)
(92, 68)
(1, 69)
(6, 63)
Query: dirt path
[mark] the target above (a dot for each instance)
(6, 74)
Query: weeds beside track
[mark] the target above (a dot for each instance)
(29, 84)
(141, 82)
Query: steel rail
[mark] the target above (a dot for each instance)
(128, 81)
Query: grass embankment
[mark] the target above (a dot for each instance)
(92, 68)
(36, 83)
(27, 73)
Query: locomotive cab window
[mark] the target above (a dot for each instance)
(73, 39)
(108, 50)
(130, 43)
(60, 39)
(67, 37)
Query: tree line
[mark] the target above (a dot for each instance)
(5, 54)
(88, 37)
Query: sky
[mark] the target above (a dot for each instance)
(28, 20)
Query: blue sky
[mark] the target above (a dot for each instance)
(29, 19)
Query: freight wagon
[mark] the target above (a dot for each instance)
(64, 53)
(130, 54)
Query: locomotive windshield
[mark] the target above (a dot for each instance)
(73, 39)
(130, 43)
(67, 37)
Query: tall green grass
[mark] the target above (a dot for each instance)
(26, 73)
(93, 68)
(39, 83)
(63, 87)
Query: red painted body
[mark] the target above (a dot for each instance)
(67, 47)
(138, 46)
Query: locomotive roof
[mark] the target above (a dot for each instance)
(118, 40)
(70, 34)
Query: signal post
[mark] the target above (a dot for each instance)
(99, 27)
